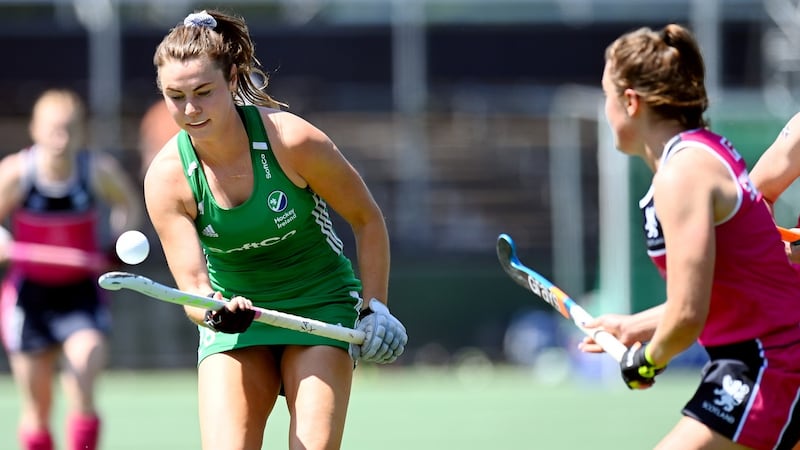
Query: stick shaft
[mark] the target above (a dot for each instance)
(555, 297)
(604, 339)
(56, 255)
(150, 288)
(789, 235)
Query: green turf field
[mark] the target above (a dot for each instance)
(401, 409)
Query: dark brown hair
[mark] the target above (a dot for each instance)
(665, 68)
(227, 43)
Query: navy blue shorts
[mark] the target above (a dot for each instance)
(749, 392)
(36, 316)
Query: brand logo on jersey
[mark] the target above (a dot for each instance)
(252, 245)
(209, 231)
(192, 167)
(652, 229)
(285, 218)
(650, 222)
(277, 201)
(264, 164)
(731, 149)
(747, 186)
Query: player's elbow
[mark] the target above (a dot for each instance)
(691, 326)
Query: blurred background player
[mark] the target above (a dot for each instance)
(239, 199)
(155, 129)
(708, 231)
(50, 193)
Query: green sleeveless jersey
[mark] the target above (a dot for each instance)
(278, 249)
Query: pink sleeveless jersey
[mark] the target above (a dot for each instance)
(63, 216)
(755, 291)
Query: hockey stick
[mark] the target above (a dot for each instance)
(789, 235)
(555, 297)
(115, 281)
(56, 256)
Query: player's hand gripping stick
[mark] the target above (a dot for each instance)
(385, 336)
(637, 369)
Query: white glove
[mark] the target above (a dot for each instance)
(385, 339)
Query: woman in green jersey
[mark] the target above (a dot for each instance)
(239, 199)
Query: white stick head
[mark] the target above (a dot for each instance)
(110, 280)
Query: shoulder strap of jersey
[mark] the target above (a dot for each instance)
(255, 127)
(191, 166)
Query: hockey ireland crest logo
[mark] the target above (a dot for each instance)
(277, 201)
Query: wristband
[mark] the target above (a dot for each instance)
(367, 311)
(648, 369)
(647, 356)
(364, 313)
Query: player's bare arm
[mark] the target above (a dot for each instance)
(116, 188)
(779, 165)
(691, 189)
(309, 158)
(10, 194)
(10, 175)
(170, 205)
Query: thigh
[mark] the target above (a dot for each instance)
(33, 374)
(689, 434)
(85, 352)
(749, 394)
(237, 390)
(85, 356)
(317, 382)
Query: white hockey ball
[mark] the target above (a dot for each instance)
(132, 247)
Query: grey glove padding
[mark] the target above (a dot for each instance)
(386, 336)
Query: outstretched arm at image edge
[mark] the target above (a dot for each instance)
(779, 165)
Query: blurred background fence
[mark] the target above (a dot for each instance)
(467, 119)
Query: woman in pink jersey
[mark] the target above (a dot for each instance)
(729, 285)
(51, 309)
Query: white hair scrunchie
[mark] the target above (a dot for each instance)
(200, 19)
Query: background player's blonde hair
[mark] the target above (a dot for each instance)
(62, 98)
